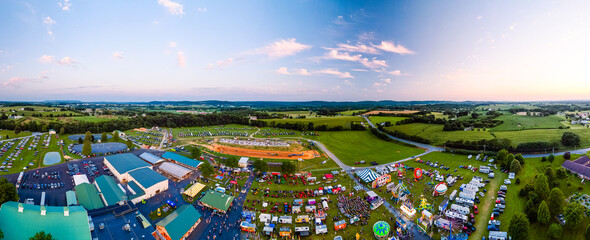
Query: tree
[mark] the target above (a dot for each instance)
(7, 191)
(573, 215)
(567, 155)
(88, 136)
(80, 141)
(531, 211)
(17, 129)
(104, 137)
(42, 236)
(231, 162)
(556, 201)
(570, 139)
(543, 159)
(542, 186)
(86, 148)
(61, 131)
(195, 152)
(501, 156)
(288, 168)
(543, 215)
(129, 144)
(519, 226)
(509, 159)
(474, 115)
(551, 158)
(520, 158)
(515, 166)
(561, 173)
(260, 166)
(550, 174)
(1, 234)
(587, 235)
(116, 137)
(555, 231)
(206, 169)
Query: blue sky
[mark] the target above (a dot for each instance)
(294, 50)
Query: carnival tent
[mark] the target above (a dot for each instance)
(367, 175)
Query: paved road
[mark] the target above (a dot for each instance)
(429, 148)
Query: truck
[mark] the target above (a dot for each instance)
(467, 195)
(453, 195)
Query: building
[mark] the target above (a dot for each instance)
(179, 224)
(182, 160)
(51, 131)
(175, 171)
(144, 183)
(121, 164)
(110, 192)
(243, 162)
(88, 196)
(217, 201)
(22, 221)
(151, 158)
(79, 179)
(580, 167)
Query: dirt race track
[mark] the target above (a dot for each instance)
(262, 153)
(392, 112)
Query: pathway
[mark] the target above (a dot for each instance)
(251, 135)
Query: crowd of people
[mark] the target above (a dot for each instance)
(353, 206)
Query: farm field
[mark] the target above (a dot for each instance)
(44, 111)
(435, 133)
(514, 203)
(353, 146)
(343, 121)
(99, 118)
(350, 112)
(380, 119)
(543, 134)
(518, 122)
(10, 134)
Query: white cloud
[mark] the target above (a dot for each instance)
(334, 72)
(302, 71)
(513, 26)
(339, 20)
(172, 44)
(48, 23)
(221, 63)
(65, 5)
(359, 47)
(202, 9)
(479, 17)
(373, 63)
(118, 55)
(7, 68)
(16, 82)
(392, 47)
(396, 73)
(367, 36)
(283, 48)
(67, 61)
(386, 80)
(347, 82)
(359, 70)
(379, 84)
(46, 59)
(181, 59)
(173, 7)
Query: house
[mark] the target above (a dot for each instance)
(22, 221)
(243, 162)
(217, 201)
(179, 224)
(580, 167)
(182, 160)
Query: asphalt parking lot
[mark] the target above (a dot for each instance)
(114, 227)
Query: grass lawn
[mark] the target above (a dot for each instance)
(343, 121)
(154, 214)
(100, 118)
(435, 133)
(518, 122)
(350, 112)
(10, 134)
(353, 146)
(528, 174)
(44, 111)
(365, 231)
(543, 135)
(379, 119)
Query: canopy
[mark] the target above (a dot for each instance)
(194, 189)
(381, 229)
(367, 175)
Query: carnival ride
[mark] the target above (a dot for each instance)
(440, 189)
(418, 174)
(400, 192)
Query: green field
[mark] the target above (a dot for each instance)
(518, 122)
(379, 119)
(507, 107)
(353, 146)
(343, 121)
(10, 134)
(437, 136)
(100, 118)
(514, 203)
(350, 112)
(44, 111)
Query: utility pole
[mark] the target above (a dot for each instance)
(484, 149)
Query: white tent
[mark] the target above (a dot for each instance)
(174, 169)
(79, 179)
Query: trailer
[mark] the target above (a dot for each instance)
(466, 195)
(461, 209)
(453, 195)
(464, 201)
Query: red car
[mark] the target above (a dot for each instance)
(475, 210)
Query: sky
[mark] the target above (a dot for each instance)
(300, 50)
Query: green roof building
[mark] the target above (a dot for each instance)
(88, 196)
(179, 224)
(146, 183)
(109, 190)
(182, 160)
(137, 191)
(216, 200)
(22, 221)
(71, 198)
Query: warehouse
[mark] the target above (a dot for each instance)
(110, 192)
(179, 224)
(182, 160)
(147, 181)
(174, 171)
(217, 201)
(121, 164)
(22, 221)
(151, 158)
(88, 196)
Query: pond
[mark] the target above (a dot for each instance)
(51, 158)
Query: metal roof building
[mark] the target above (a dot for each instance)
(182, 160)
(110, 191)
(216, 200)
(580, 166)
(22, 221)
(88, 196)
(151, 158)
(149, 181)
(179, 224)
(176, 171)
(121, 164)
(71, 198)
